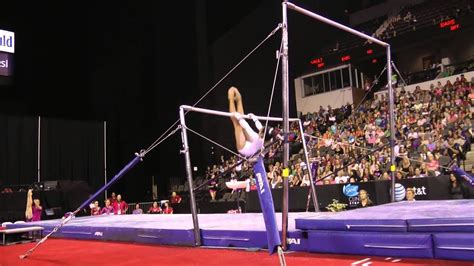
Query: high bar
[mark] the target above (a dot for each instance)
(221, 113)
(335, 24)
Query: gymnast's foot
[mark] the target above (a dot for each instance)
(231, 93)
(238, 96)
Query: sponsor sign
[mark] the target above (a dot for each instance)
(6, 64)
(7, 41)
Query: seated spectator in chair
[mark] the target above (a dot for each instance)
(167, 209)
(155, 208)
(120, 206)
(364, 200)
(33, 208)
(137, 210)
(410, 194)
(107, 209)
(457, 189)
(95, 210)
(175, 198)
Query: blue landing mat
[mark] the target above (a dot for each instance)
(421, 216)
(221, 230)
(422, 229)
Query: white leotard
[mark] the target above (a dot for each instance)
(255, 143)
(250, 148)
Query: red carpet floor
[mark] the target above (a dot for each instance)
(76, 252)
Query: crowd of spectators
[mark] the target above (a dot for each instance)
(115, 205)
(433, 130)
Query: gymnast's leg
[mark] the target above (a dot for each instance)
(234, 96)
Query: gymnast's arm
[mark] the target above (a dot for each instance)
(256, 121)
(243, 123)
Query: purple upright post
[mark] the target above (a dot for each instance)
(266, 203)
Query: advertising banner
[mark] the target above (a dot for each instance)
(6, 64)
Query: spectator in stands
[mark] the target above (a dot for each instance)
(410, 194)
(155, 208)
(167, 209)
(107, 209)
(432, 165)
(418, 173)
(405, 166)
(305, 182)
(277, 182)
(175, 198)
(399, 175)
(341, 177)
(120, 206)
(424, 169)
(95, 210)
(297, 177)
(33, 208)
(385, 176)
(454, 150)
(137, 210)
(252, 183)
(364, 200)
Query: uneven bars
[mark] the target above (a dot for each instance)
(335, 24)
(221, 113)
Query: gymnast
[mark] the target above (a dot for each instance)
(248, 141)
(33, 208)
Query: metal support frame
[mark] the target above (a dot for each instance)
(189, 173)
(105, 159)
(285, 85)
(308, 167)
(286, 124)
(186, 108)
(38, 166)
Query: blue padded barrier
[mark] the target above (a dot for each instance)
(413, 245)
(454, 246)
(296, 240)
(441, 225)
(378, 225)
